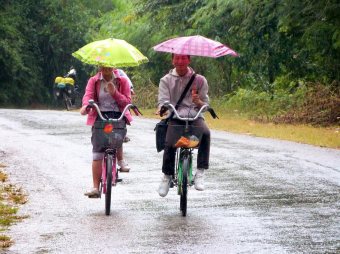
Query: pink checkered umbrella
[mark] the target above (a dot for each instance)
(195, 46)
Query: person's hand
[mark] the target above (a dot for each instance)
(196, 100)
(162, 111)
(83, 110)
(110, 88)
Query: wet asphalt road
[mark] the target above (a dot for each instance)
(262, 195)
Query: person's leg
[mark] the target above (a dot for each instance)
(124, 167)
(96, 176)
(204, 147)
(203, 155)
(168, 166)
(120, 154)
(96, 172)
(169, 155)
(97, 159)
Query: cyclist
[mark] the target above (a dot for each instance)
(170, 89)
(112, 93)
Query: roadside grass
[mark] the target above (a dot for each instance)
(11, 197)
(318, 136)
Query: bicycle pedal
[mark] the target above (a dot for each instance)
(119, 180)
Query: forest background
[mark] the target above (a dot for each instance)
(287, 71)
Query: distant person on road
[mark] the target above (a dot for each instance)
(72, 73)
(171, 87)
(123, 74)
(112, 93)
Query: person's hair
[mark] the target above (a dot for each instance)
(173, 54)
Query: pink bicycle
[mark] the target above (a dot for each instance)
(111, 133)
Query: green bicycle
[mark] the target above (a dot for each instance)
(189, 137)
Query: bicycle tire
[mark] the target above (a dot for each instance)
(67, 101)
(184, 186)
(109, 161)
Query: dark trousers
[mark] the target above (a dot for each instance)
(172, 136)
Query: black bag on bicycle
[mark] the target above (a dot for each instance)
(161, 129)
(162, 126)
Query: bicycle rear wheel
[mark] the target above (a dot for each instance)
(109, 161)
(184, 186)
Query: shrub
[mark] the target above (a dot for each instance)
(321, 106)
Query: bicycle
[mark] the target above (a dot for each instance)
(65, 91)
(189, 137)
(111, 137)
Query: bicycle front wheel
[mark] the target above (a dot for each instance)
(109, 161)
(67, 101)
(184, 186)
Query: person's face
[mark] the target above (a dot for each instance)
(106, 71)
(181, 63)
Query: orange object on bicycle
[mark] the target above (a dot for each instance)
(184, 142)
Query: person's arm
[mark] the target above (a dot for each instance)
(89, 94)
(122, 95)
(163, 94)
(200, 92)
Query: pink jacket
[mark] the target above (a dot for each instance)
(122, 96)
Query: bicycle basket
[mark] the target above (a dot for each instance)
(109, 134)
(187, 138)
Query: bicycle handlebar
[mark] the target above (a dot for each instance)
(92, 104)
(167, 105)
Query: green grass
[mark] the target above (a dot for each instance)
(10, 198)
(318, 136)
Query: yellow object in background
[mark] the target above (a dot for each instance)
(58, 79)
(68, 81)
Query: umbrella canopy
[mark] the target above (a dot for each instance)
(110, 53)
(195, 46)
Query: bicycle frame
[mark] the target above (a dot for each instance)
(103, 184)
(181, 155)
(183, 175)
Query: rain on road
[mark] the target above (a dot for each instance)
(262, 195)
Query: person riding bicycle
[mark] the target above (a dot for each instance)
(112, 93)
(170, 89)
(66, 85)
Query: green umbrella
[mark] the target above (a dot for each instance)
(110, 53)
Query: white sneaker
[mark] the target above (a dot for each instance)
(124, 167)
(199, 179)
(164, 186)
(93, 193)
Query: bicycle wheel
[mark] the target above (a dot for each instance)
(67, 101)
(184, 186)
(109, 161)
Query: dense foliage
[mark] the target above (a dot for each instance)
(285, 46)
